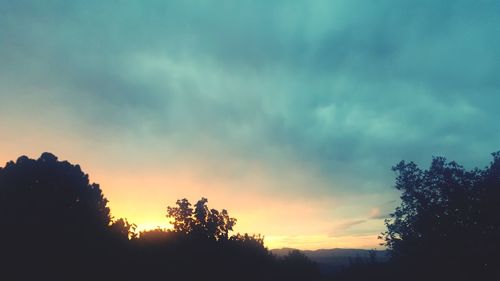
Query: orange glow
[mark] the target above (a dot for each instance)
(142, 192)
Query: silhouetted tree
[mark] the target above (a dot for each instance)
(123, 229)
(448, 223)
(183, 216)
(52, 217)
(202, 221)
(46, 193)
(203, 237)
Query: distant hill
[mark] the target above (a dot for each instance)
(333, 260)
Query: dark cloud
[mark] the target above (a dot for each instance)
(346, 89)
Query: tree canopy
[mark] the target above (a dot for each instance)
(50, 215)
(47, 193)
(201, 221)
(448, 219)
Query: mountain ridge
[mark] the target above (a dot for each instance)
(333, 260)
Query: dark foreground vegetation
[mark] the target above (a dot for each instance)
(55, 225)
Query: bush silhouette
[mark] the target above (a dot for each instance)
(297, 266)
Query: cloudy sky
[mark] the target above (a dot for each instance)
(289, 114)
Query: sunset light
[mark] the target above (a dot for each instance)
(250, 140)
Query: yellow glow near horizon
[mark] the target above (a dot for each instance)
(142, 194)
(257, 214)
(315, 242)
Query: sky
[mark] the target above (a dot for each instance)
(289, 114)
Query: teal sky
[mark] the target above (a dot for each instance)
(288, 113)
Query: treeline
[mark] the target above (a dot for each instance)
(55, 225)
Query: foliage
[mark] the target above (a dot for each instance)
(448, 218)
(299, 267)
(123, 229)
(202, 221)
(55, 225)
(52, 215)
(50, 194)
